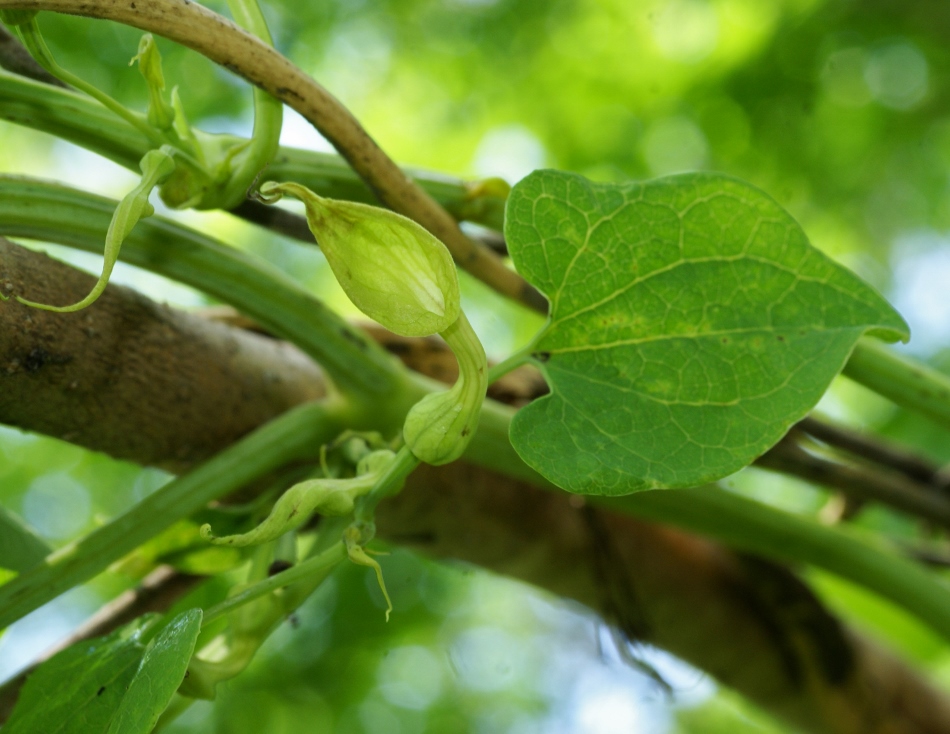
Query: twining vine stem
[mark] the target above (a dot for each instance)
(194, 26)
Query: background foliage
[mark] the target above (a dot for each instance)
(839, 109)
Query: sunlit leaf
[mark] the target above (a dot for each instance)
(691, 324)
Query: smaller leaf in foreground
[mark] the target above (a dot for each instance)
(79, 690)
(691, 324)
(158, 677)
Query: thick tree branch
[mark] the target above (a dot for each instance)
(748, 622)
(198, 28)
(109, 379)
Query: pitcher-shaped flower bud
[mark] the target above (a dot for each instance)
(325, 495)
(161, 115)
(439, 427)
(393, 270)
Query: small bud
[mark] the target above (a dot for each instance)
(439, 427)
(161, 115)
(354, 539)
(393, 270)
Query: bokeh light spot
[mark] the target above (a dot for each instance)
(843, 77)
(897, 75)
(378, 718)
(57, 506)
(511, 152)
(410, 677)
(674, 144)
(686, 30)
(487, 659)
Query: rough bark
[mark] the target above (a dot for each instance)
(157, 386)
(133, 378)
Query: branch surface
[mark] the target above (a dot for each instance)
(751, 624)
(133, 378)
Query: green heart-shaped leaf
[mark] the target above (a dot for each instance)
(691, 324)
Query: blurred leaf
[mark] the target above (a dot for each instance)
(878, 617)
(724, 713)
(691, 324)
(159, 676)
(20, 547)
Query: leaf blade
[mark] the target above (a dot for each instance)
(78, 690)
(158, 677)
(691, 324)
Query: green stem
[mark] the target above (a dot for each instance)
(320, 564)
(295, 435)
(391, 483)
(86, 123)
(907, 382)
(53, 213)
(268, 113)
(33, 40)
(510, 363)
(178, 705)
(328, 174)
(73, 117)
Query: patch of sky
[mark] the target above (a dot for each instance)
(28, 637)
(297, 132)
(510, 152)
(921, 267)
